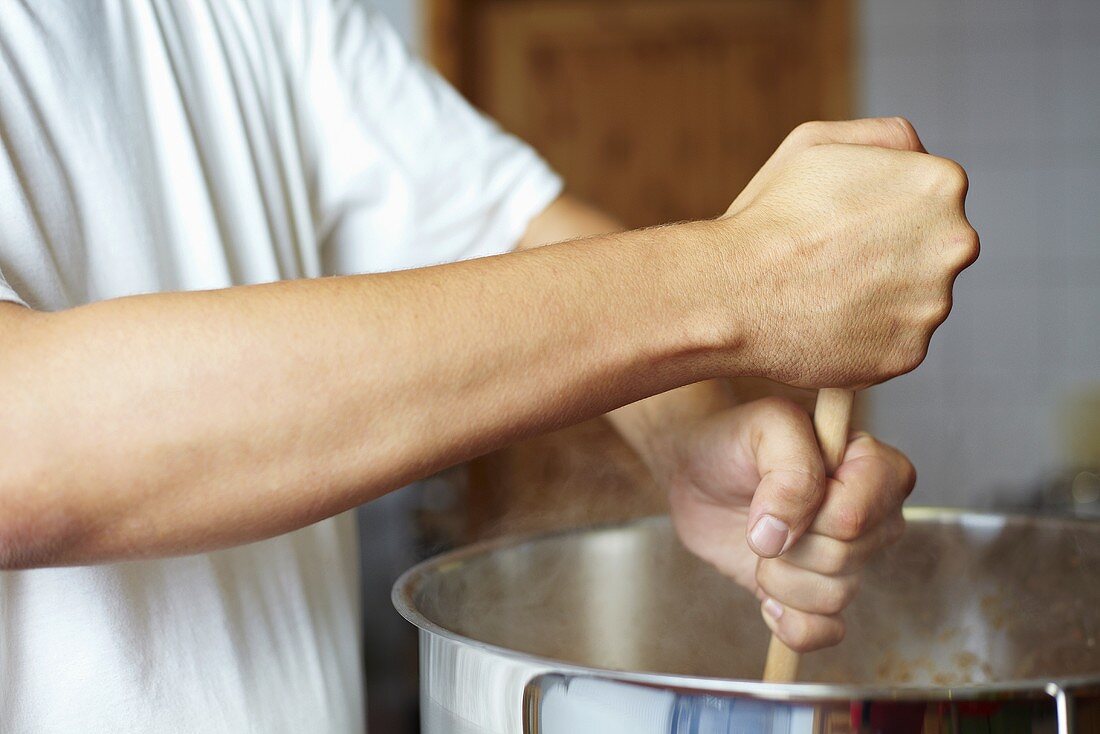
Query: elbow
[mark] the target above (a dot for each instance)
(35, 522)
(20, 544)
(14, 554)
(16, 551)
(26, 543)
(32, 529)
(12, 551)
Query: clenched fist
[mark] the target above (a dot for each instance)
(838, 262)
(851, 237)
(748, 494)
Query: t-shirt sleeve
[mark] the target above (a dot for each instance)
(7, 293)
(405, 171)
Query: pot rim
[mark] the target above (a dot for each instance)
(404, 590)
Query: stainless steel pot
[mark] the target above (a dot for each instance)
(973, 622)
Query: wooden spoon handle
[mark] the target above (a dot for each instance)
(832, 417)
(832, 414)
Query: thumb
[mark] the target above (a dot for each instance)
(792, 478)
(883, 132)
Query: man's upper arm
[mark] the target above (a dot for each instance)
(13, 310)
(13, 316)
(408, 173)
(567, 218)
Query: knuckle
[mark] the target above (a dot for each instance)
(901, 133)
(799, 635)
(950, 177)
(874, 446)
(910, 358)
(833, 601)
(916, 358)
(851, 522)
(836, 595)
(943, 310)
(970, 247)
(908, 474)
(797, 490)
(841, 559)
(900, 359)
(939, 311)
(808, 633)
(907, 128)
(834, 634)
(808, 133)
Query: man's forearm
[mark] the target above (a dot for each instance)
(182, 422)
(644, 423)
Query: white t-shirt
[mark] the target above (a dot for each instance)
(148, 145)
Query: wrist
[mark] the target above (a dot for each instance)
(706, 271)
(658, 286)
(652, 437)
(655, 427)
(721, 294)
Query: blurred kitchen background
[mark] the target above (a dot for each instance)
(661, 110)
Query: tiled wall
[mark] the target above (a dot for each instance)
(1010, 89)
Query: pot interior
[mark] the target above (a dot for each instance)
(961, 599)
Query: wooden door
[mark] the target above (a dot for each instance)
(658, 111)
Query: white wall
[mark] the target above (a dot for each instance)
(1011, 89)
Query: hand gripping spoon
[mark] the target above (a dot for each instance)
(832, 414)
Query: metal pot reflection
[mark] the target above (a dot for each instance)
(971, 620)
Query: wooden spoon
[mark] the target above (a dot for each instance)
(832, 414)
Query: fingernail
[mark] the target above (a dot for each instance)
(769, 535)
(773, 608)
